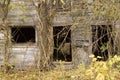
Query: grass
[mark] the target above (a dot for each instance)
(108, 70)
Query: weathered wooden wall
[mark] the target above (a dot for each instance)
(26, 54)
(22, 13)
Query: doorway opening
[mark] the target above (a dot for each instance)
(62, 43)
(101, 39)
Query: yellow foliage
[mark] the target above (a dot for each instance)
(62, 1)
(100, 77)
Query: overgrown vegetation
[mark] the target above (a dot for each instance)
(105, 64)
(97, 70)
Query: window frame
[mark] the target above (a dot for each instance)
(71, 53)
(24, 43)
(98, 40)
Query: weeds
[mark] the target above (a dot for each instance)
(97, 70)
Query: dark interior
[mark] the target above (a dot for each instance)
(62, 43)
(100, 37)
(23, 34)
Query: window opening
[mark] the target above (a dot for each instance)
(62, 43)
(101, 36)
(23, 34)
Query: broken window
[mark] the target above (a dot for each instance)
(63, 5)
(62, 43)
(23, 34)
(101, 39)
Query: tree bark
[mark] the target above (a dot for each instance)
(5, 27)
(46, 15)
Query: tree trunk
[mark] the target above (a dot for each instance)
(46, 35)
(5, 27)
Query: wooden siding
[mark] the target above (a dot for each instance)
(80, 35)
